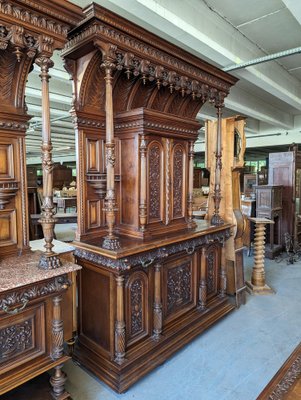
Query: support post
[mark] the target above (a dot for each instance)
(57, 381)
(49, 259)
(216, 218)
(223, 274)
(143, 166)
(120, 323)
(157, 316)
(110, 242)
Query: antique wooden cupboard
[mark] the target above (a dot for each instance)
(31, 324)
(285, 170)
(152, 277)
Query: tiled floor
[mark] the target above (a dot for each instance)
(234, 359)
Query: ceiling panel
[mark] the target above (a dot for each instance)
(274, 33)
(241, 11)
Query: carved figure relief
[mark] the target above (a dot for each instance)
(15, 339)
(154, 157)
(178, 161)
(178, 286)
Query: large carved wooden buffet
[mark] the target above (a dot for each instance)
(152, 277)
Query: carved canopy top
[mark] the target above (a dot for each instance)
(129, 47)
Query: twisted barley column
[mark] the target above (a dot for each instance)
(258, 273)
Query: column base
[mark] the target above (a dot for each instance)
(253, 289)
(49, 262)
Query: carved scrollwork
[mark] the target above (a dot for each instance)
(55, 285)
(286, 383)
(178, 286)
(127, 263)
(15, 339)
(154, 155)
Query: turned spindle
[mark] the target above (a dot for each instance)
(257, 284)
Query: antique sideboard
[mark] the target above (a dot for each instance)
(152, 276)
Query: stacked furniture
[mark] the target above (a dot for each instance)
(152, 277)
(285, 170)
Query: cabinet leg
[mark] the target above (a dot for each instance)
(57, 382)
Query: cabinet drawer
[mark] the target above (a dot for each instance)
(22, 337)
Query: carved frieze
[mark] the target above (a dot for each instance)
(286, 383)
(22, 296)
(148, 258)
(178, 286)
(33, 18)
(136, 63)
(15, 339)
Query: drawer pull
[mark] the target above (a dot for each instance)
(190, 250)
(146, 264)
(17, 309)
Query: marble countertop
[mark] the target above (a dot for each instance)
(23, 270)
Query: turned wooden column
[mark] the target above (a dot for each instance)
(110, 241)
(143, 184)
(257, 284)
(157, 316)
(49, 260)
(216, 218)
(59, 378)
(203, 282)
(190, 181)
(120, 323)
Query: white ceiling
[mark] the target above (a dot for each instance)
(223, 32)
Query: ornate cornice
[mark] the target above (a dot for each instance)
(149, 257)
(22, 296)
(25, 15)
(154, 125)
(158, 64)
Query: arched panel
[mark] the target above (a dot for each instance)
(192, 108)
(137, 304)
(161, 98)
(155, 181)
(142, 95)
(175, 105)
(8, 63)
(92, 93)
(122, 90)
(178, 178)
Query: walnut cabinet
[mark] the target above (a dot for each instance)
(136, 311)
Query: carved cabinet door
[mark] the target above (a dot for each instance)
(167, 177)
(179, 179)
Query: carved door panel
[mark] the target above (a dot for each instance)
(137, 307)
(179, 286)
(213, 255)
(179, 179)
(155, 181)
(22, 337)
